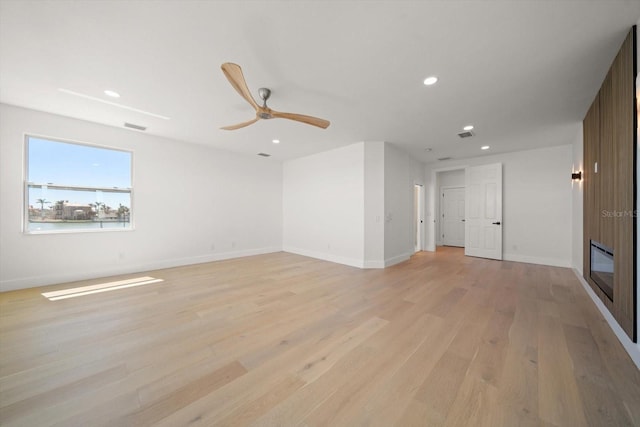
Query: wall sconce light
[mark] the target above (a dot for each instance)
(576, 175)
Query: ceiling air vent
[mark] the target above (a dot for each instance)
(264, 154)
(444, 158)
(136, 127)
(466, 134)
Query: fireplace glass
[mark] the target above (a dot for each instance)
(602, 267)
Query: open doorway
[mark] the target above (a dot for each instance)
(452, 217)
(450, 208)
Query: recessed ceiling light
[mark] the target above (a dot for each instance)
(428, 150)
(485, 147)
(112, 93)
(468, 127)
(430, 80)
(104, 101)
(276, 141)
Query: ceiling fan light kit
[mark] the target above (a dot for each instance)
(233, 72)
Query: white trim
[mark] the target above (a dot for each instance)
(352, 262)
(632, 348)
(374, 264)
(388, 262)
(35, 281)
(554, 262)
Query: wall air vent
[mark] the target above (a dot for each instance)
(136, 127)
(444, 158)
(264, 154)
(466, 134)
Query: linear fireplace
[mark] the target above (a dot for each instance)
(602, 267)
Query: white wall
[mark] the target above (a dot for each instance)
(537, 197)
(192, 204)
(374, 204)
(353, 205)
(323, 205)
(401, 173)
(453, 178)
(577, 204)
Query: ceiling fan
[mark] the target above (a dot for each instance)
(233, 72)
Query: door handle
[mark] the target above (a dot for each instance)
(496, 223)
(463, 220)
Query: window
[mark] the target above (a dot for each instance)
(76, 187)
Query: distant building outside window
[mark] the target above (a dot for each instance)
(72, 187)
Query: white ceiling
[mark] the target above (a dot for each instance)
(523, 72)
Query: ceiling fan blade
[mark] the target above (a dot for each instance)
(240, 125)
(233, 72)
(315, 121)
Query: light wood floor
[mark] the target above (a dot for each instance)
(282, 339)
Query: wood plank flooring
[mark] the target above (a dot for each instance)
(285, 340)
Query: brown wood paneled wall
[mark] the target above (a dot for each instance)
(609, 203)
(591, 209)
(606, 163)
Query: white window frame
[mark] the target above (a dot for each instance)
(63, 186)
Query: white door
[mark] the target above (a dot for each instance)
(453, 216)
(483, 226)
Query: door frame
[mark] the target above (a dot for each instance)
(432, 206)
(418, 216)
(441, 211)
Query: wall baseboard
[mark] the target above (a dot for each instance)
(633, 349)
(352, 262)
(388, 262)
(374, 264)
(36, 281)
(554, 262)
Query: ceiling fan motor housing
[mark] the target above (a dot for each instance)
(264, 94)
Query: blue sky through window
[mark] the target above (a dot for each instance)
(61, 163)
(74, 164)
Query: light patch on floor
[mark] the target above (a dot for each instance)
(101, 287)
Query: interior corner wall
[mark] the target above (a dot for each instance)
(374, 204)
(323, 205)
(401, 173)
(537, 199)
(191, 204)
(577, 204)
